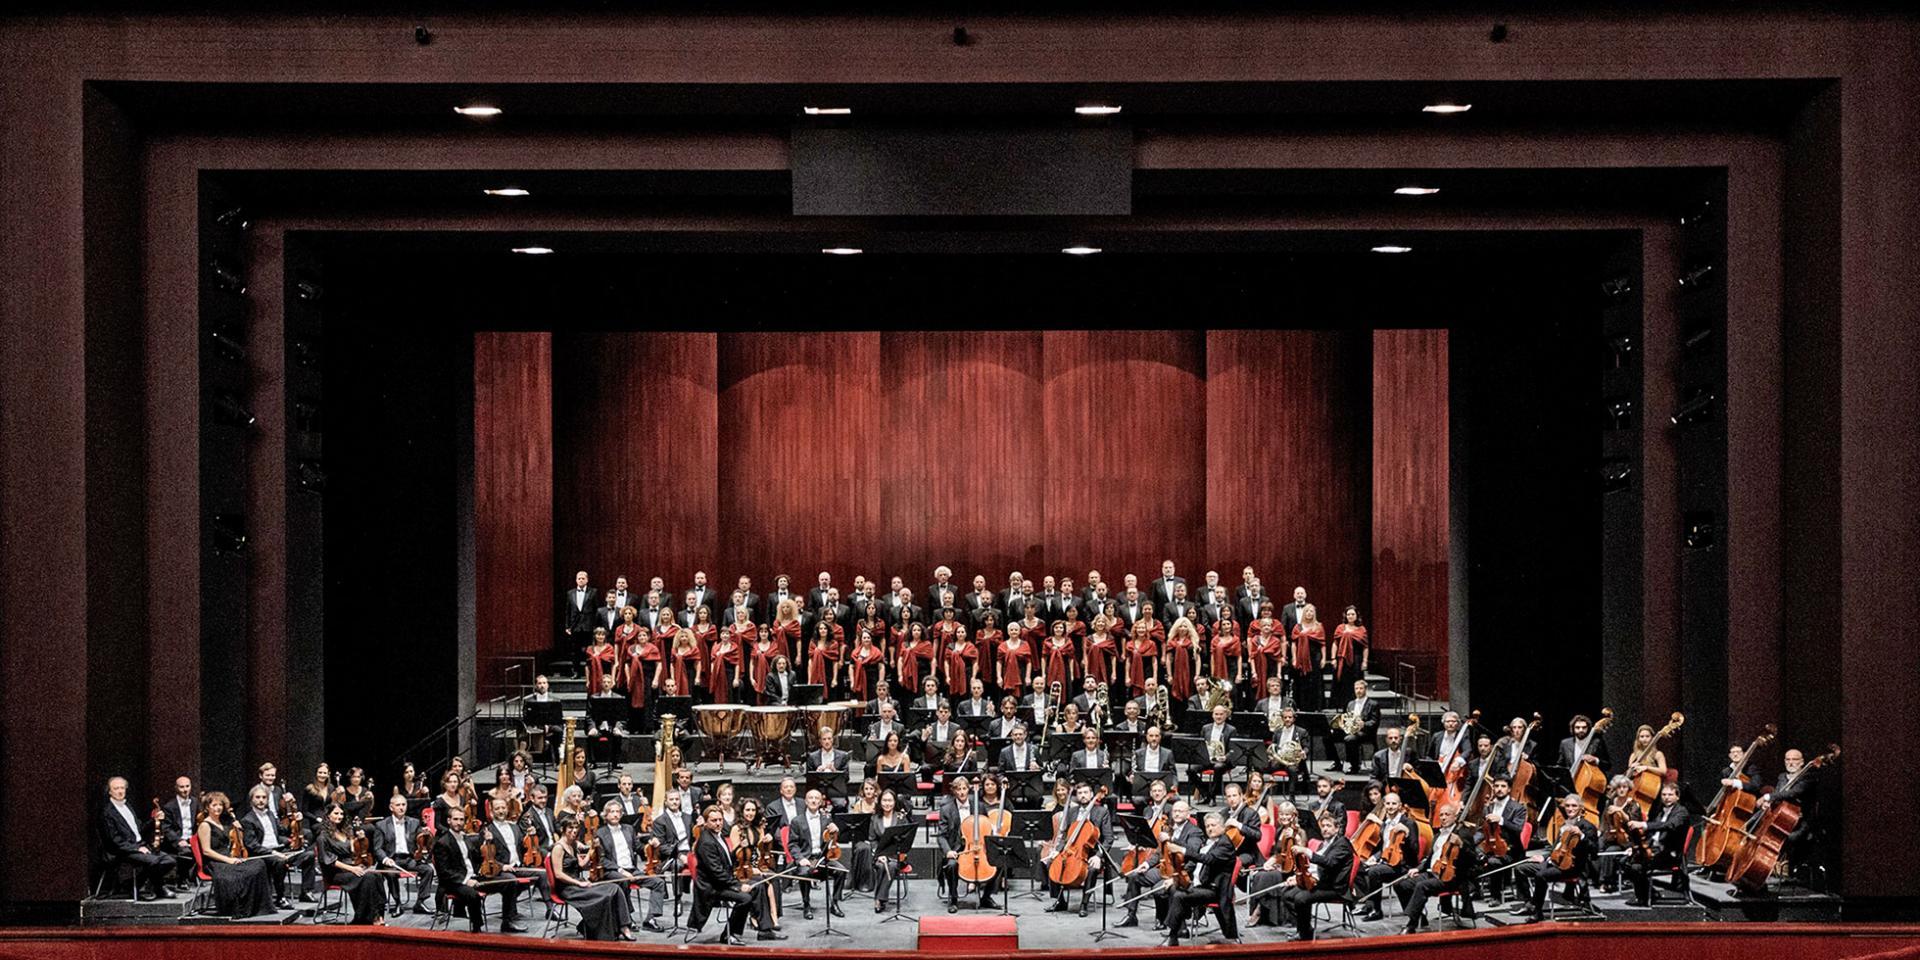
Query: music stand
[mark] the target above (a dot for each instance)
(1413, 794)
(894, 842)
(829, 784)
(1023, 786)
(680, 708)
(545, 716)
(604, 712)
(976, 725)
(1120, 745)
(903, 783)
(1059, 747)
(1098, 776)
(1141, 783)
(1559, 780)
(1005, 853)
(1030, 826)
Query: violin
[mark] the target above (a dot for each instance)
(1495, 842)
(1563, 848)
(1069, 866)
(1448, 860)
(597, 860)
(236, 842)
(831, 838)
(362, 847)
(159, 819)
(291, 827)
(652, 851)
(489, 859)
(423, 843)
(1173, 865)
(530, 854)
(1393, 852)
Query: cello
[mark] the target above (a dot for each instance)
(1729, 812)
(973, 866)
(1767, 833)
(1646, 783)
(1071, 865)
(1366, 837)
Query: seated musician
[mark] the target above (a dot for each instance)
(1795, 785)
(1646, 757)
(397, 847)
(1035, 706)
(1090, 756)
(1070, 721)
(456, 865)
(1331, 865)
(1089, 687)
(264, 834)
(825, 757)
(1736, 756)
(1149, 698)
(1290, 732)
(1666, 831)
(887, 813)
(1540, 872)
(1019, 754)
(506, 833)
(807, 848)
(1212, 872)
(1584, 746)
(1349, 744)
(1396, 829)
(672, 837)
(1181, 832)
(953, 808)
(929, 698)
(1423, 881)
(1507, 817)
(959, 756)
(940, 730)
(780, 682)
(1507, 752)
(1152, 758)
(625, 860)
(1615, 843)
(1268, 877)
(120, 830)
(1081, 807)
(715, 885)
(1325, 788)
(977, 704)
(1158, 803)
(1003, 725)
(602, 908)
(358, 885)
(1274, 701)
(882, 697)
(893, 757)
(1391, 759)
(878, 730)
(1130, 720)
(1216, 739)
(1241, 812)
(178, 816)
(240, 887)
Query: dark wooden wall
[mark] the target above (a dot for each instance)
(1409, 523)
(513, 495)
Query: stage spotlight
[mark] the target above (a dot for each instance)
(478, 111)
(506, 192)
(1695, 409)
(306, 354)
(1698, 530)
(234, 217)
(307, 291)
(227, 532)
(1097, 110)
(1616, 474)
(842, 251)
(1697, 214)
(1390, 248)
(1621, 348)
(225, 276)
(1620, 413)
(227, 346)
(1446, 108)
(533, 251)
(310, 477)
(228, 411)
(1080, 250)
(1697, 277)
(1416, 191)
(827, 111)
(1614, 288)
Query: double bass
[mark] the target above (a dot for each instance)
(1767, 833)
(1070, 866)
(1729, 812)
(1646, 783)
(1589, 781)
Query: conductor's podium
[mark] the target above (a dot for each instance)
(981, 935)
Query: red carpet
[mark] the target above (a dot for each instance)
(976, 936)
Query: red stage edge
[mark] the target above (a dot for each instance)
(1569, 941)
(984, 936)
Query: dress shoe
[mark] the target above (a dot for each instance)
(879, 906)
(1636, 902)
(1129, 921)
(627, 935)
(731, 940)
(806, 912)
(1159, 924)
(953, 906)
(1059, 906)
(1083, 911)
(833, 907)
(423, 910)
(1371, 916)
(772, 935)
(512, 928)
(653, 926)
(306, 897)
(986, 903)
(282, 903)
(145, 896)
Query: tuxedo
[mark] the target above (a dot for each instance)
(674, 830)
(1290, 617)
(607, 618)
(900, 616)
(1175, 609)
(817, 597)
(650, 616)
(455, 858)
(576, 613)
(1388, 764)
(779, 688)
(1247, 608)
(1212, 871)
(388, 838)
(702, 597)
(1162, 760)
(1162, 591)
(121, 834)
(973, 708)
(878, 730)
(1189, 837)
(1027, 757)
(1369, 714)
(1333, 866)
(1212, 613)
(1082, 760)
(751, 601)
(1596, 746)
(1129, 612)
(821, 759)
(806, 840)
(177, 824)
(629, 804)
(935, 593)
(1504, 759)
(714, 885)
(1053, 606)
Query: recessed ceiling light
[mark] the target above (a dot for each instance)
(533, 251)
(1080, 251)
(477, 110)
(1389, 248)
(827, 111)
(1446, 108)
(841, 251)
(506, 192)
(1097, 110)
(1416, 191)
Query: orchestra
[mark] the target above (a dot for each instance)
(1196, 755)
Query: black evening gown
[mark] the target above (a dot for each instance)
(603, 908)
(239, 889)
(368, 893)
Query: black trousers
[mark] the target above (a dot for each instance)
(1347, 748)
(1540, 875)
(741, 903)
(1641, 874)
(1426, 886)
(1141, 881)
(1378, 874)
(821, 874)
(150, 870)
(424, 886)
(472, 902)
(278, 868)
(1181, 904)
(1301, 903)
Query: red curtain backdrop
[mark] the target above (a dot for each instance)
(1318, 457)
(513, 479)
(1410, 495)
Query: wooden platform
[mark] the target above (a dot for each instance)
(968, 935)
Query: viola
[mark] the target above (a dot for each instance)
(236, 842)
(423, 843)
(1495, 842)
(159, 819)
(489, 860)
(362, 847)
(1394, 852)
(1448, 860)
(1173, 866)
(1563, 848)
(530, 854)
(291, 826)
(1069, 866)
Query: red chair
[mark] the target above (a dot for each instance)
(1678, 873)
(1526, 836)
(556, 907)
(203, 895)
(1353, 821)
